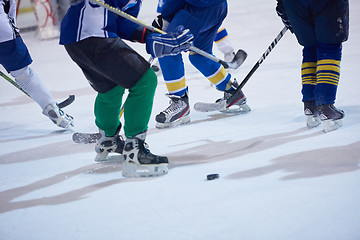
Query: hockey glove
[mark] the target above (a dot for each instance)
(159, 45)
(160, 23)
(280, 10)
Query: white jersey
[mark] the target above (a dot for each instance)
(84, 20)
(8, 30)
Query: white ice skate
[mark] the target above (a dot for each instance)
(58, 117)
(106, 145)
(176, 114)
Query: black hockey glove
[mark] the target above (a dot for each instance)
(160, 23)
(159, 45)
(280, 10)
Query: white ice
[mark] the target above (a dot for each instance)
(278, 179)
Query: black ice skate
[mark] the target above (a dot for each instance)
(238, 105)
(139, 161)
(331, 117)
(58, 116)
(177, 113)
(312, 113)
(106, 145)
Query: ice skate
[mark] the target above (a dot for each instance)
(238, 106)
(139, 161)
(312, 113)
(106, 145)
(331, 117)
(176, 114)
(58, 117)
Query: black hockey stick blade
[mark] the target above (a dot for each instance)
(67, 101)
(238, 60)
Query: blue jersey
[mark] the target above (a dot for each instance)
(86, 19)
(171, 7)
(160, 5)
(203, 22)
(203, 3)
(200, 3)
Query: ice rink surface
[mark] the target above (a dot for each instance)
(278, 179)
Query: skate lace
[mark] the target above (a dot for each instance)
(227, 95)
(174, 107)
(142, 146)
(60, 114)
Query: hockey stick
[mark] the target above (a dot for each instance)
(207, 107)
(13, 83)
(153, 29)
(67, 101)
(62, 104)
(86, 138)
(257, 64)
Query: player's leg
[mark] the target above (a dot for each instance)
(15, 58)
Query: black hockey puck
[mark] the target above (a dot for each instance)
(212, 176)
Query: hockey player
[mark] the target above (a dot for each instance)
(111, 66)
(320, 27)
(203, 18)
(221, 41)
(15, 58)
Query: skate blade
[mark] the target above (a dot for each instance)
(64, 124)
(331, 125)
(132, 170)
(237, 109)
(109, 159)
(312, 121)
(176, 123)
(71, 128)
(101, 157)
